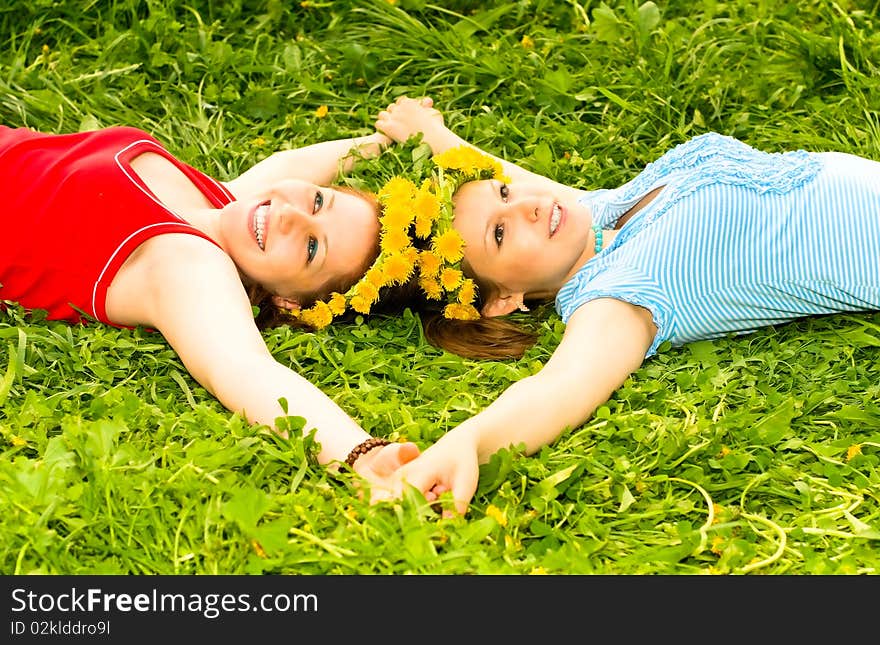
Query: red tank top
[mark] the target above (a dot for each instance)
(74, 211)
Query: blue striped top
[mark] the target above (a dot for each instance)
(737, 239)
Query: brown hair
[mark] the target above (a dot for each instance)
(484, 338)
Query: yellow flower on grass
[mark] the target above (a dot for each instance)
(394, 241)
(458, 311)
(449, 246)
(18, 442)
(527, 42)
(258, 548)
(431, 287)
(321, 112)
(496, 514)
(318, 316)
(853, 450)
(337, 303)
(398, 268)
(450, 278)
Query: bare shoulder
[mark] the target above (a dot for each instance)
(610, 312)
(171, 268)
(611, 323)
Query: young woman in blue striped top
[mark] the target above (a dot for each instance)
(714, 237)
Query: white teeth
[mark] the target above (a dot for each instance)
(555, 216)
(260, 224)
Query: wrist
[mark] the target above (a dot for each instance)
(439, 138)
(363, 448)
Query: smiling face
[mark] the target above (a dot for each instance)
(299, 240)
(521, 240)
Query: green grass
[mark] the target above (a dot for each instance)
(749, 455)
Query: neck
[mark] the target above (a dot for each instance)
(207, 220)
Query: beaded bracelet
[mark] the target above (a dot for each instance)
(363, 448)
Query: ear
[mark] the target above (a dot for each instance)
(285, 303)
(502, 305)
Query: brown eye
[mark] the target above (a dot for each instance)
(498, 234)
(504, 192)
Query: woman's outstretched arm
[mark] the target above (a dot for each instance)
(202, 311)
(407, 117)
(319, 163)
(604, 342)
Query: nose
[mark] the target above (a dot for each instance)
(527, 209)
(290, 217)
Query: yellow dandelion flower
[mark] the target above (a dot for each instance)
(398, 268)
(429, 263)
(450, 278)
(456, 311)
(468, 160)
(458, 158)
(397, 188)
(258, 549)
(336, 303)
(511, 543)
(449, 246)
(321, 112)
(427, 209)
(496, 514)
(412, 255)
(394, 241)
(717, 545)
(360, 304)
(467, 293)
(397, 214)
(318, 316)
(431, 288)
(853, 450)
(259, 141)
(527, 42)
(17, 441)
(538, 571)
(374, 277)
(368, 291)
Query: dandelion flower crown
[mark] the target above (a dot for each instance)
(423, 211)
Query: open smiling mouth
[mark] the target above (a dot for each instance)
(555, 218)
(260, 224)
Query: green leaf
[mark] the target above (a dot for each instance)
(246, 507)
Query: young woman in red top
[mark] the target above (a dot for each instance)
(108, 225)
